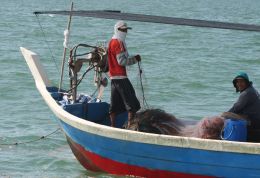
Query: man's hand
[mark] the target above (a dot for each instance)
(138, 57)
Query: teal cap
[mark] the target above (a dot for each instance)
(241, 75)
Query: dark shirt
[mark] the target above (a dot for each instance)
(248, 104)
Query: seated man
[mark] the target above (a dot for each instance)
(248, 104)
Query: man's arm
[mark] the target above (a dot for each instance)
(124, 60)
(244, 99)
(122, 56)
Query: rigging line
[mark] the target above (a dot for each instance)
(42, 137)
(79, 81)
(94, 92)
(45, 39)
(141, 82)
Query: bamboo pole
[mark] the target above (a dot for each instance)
(65, 48)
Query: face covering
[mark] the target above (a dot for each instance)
(119, 34)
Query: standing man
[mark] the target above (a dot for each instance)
(122, 92)
(248, 104)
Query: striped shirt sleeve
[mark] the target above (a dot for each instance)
(124, 60)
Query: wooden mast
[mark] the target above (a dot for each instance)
(65, 48)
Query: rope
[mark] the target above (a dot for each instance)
(31, 141)
(145, 104)
(79, 81)
(94, 92)
(45, 40)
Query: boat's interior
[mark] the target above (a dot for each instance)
(87, 108)
(98, 112)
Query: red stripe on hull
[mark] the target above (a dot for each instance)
(94, 162)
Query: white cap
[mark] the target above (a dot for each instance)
(121, 25)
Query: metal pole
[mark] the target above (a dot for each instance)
(65, 49)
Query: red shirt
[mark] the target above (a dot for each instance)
(115, 49)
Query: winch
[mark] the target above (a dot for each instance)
(96, 60)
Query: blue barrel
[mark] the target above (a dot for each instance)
(235, 130)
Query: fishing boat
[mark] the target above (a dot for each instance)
(114, 150)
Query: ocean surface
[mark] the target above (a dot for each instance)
(187, 71)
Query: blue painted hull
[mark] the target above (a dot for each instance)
(187, 161)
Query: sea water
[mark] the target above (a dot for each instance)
(187, 71)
